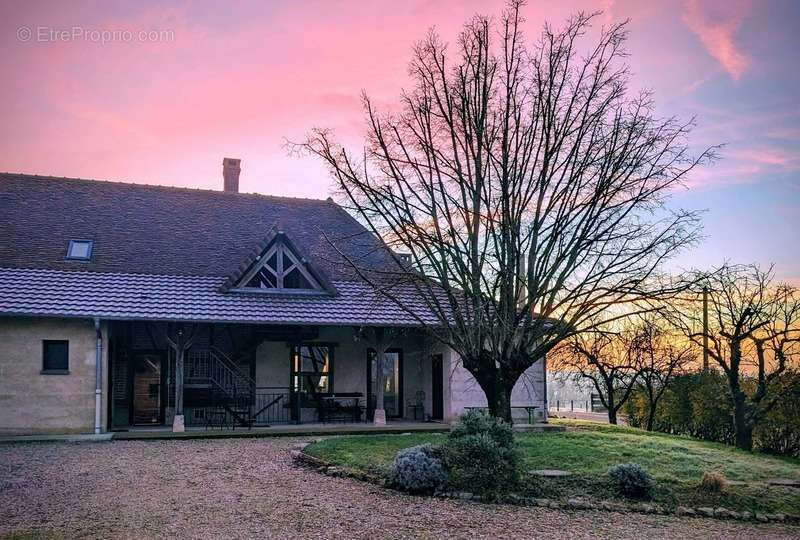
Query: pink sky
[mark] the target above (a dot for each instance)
(237, 79)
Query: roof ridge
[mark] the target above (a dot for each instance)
(204, 191)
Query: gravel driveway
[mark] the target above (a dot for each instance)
(238, 488)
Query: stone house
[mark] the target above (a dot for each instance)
(124, 305)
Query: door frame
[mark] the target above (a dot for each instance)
(437, 360)
(400, 397)
(295, 402)
(163, 388)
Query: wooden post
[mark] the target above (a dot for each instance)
(179, 352)
(705, 329)
(379, 415)
(380, 339)
(180, 343)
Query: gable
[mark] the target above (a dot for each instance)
(280, 267)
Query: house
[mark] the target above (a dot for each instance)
(107, 289)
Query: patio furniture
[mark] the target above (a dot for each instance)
(342, 406)
(417, 409)
(216, 417)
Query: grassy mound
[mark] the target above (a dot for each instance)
(588, 450)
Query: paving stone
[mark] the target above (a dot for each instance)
(685, 511)
(551, 473)
(786, 482)
(706, 511)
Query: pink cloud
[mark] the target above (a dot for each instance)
(771, 157)
(716, 25)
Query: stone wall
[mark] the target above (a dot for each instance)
(35, 403)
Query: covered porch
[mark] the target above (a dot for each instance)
(285, 430)
(225, 377)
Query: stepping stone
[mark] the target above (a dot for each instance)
(551, 473)
(737, 483)
(787, 482)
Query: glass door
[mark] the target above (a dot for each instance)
(148, 403)
(391, 377)
(437, 387)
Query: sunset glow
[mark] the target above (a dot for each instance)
(161, 93)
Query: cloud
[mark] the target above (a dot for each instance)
(716, 26)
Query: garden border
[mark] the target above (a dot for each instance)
(302, 458)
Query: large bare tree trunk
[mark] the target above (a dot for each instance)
(498, 395)
(742, 422)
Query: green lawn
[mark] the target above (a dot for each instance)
(589, 449)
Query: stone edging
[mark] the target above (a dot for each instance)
(301, 457)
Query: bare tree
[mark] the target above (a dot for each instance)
(661, 356)
(753, 335)
(608, 359)
(527, 186)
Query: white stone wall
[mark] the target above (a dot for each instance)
(465, 391)
(32, 402)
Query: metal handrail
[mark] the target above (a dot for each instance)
(231, 365)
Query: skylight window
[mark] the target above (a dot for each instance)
(80, 250)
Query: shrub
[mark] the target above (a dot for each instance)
(713, 482)
(632, 480)
(699, 405)
(694, 404)
(778, 432)
(476, 422)
(417, 469)
(480, 456)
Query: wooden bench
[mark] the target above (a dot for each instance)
(342, 405)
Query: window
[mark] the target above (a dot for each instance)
(279, 268)
(80, 250)
(55, 357)
(312, 369)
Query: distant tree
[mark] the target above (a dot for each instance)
(660, 356)
(608, 360)
(753, 336)
(527, 186)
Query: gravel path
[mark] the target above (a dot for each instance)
(239, 488)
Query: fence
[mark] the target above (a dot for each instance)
(272, 406)
(593, 404)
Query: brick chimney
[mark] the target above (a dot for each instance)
(230, 174)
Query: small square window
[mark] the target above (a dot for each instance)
(55, 358)
(80, 250)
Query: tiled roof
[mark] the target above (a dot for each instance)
(58, 293)
(149, 229)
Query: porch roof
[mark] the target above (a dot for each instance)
(61, 293)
